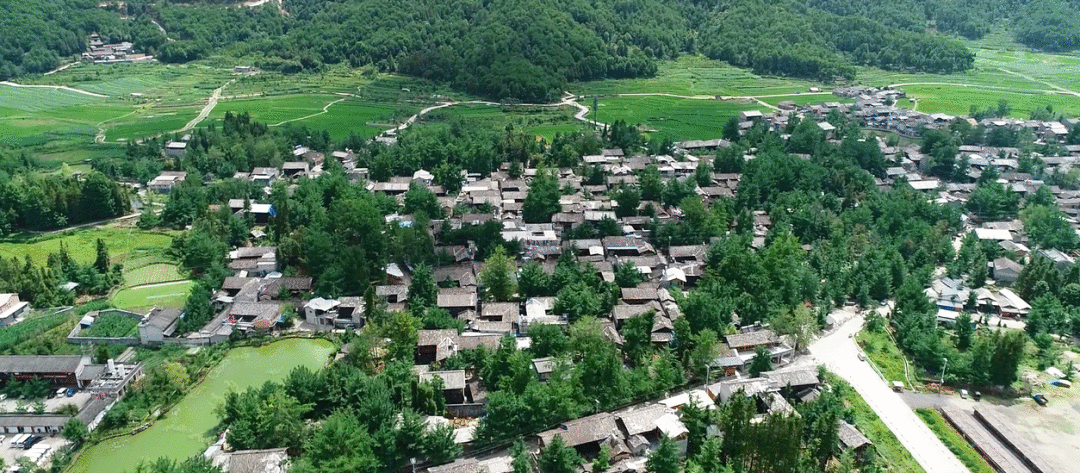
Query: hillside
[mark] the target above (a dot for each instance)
(1049, 25)
(504, 49)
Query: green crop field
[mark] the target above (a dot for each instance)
(151, 274)
(957, 100)
(356, 116)
(806, 99)
(157, 295)
(275, 109)
(540, 121)
(694, 76)
(343, 114)
(680, 119)
(38, 99)
(81, 244)
(112, 325)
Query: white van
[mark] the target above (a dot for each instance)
(18, 439)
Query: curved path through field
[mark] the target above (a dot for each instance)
(1055, 87)
(209, 107)
(324, 110)
(57, 87)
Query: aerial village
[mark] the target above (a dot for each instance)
(257, 297)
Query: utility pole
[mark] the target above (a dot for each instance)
(595, 107)
(941, 388)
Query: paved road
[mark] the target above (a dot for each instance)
(840, 354)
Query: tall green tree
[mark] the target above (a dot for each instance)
(101, 262)
(761, 362)
(665, 459)
(499, 276)
(423, 293)
(542, 201)
(558, 457)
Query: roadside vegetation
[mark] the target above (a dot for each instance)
(954, 441)
(892, 452)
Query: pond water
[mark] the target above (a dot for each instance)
(186, 429)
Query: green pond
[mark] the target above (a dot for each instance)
(186, 429)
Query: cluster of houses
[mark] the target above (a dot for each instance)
(93, 388)
(628, 434)
(98, 52)
(257, 296)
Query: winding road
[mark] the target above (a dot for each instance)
(324, 110)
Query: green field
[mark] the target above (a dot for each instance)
(81, 244)
(680, 119)
(957, 100)
(954, 441)
(697, 76)
(540, 121)
(112, 325)
(157, 295)
(806, 99)
(342, 115)
(151, 274)
(188, 427)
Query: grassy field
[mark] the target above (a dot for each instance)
(33, 328)
(157, 295)
(540, 121)
(881, 350)
(151, 274)
(680, 119)
(342, 115)
(149, 99)
(957, 100)
(956, 443)
(697, 75)
(893, 454)
(81, 244)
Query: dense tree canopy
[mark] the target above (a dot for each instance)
(514, 50)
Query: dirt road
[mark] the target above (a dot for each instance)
(209, 107)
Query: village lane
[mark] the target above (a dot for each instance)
(839, 353)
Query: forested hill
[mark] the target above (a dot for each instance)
(1051, 25)
(526, 50)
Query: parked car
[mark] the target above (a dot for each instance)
(862, 357)
(976, 395)
(963, 394)
(60, 392)
(1039, 398)
(70, 392)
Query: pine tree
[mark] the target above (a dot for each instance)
(101, 264)
(422, 290)
(665, 459)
